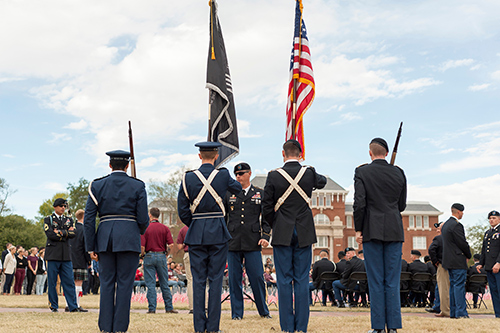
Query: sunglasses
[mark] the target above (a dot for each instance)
(240, 173)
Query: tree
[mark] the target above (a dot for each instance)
(78, 194)
(475, 235)
(164, 193)
(17, 230)
(5, 192)
(46, 207)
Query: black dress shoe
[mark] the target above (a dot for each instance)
(392, 330)
(66, 309)
(267, 316)
(82, 309)
(190, 311)
(431, 310)
(151, 311)
(237, 318)
(463, 317)
(78, 310)
(171, 311)
(377, 331)
(53, 309)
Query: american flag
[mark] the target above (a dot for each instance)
(301, 88)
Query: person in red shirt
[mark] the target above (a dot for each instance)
(155, 244)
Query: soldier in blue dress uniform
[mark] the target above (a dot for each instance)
(122, 205)
(249, 233)
(201, 208)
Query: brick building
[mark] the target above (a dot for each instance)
(335, 228)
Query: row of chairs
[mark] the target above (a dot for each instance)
(428, 279)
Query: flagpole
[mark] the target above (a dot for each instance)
(294, 95)
(210, 3)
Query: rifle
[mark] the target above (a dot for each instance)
(396, 144)
(131, 144)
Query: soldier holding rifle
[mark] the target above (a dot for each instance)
(379, 197)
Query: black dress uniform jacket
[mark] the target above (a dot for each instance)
(379, 197)
(57, 247)
(353, 265)
(456, 250)
(243, 216)
(341, 266)
(436, 250)
(295, 211)
(320, 266)
(490, 252)
(79, 257)
(418, 267)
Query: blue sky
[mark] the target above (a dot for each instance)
(72, 74)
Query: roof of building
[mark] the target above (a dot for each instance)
(412, 207)
(331, 185)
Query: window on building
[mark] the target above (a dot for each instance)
(321, 219)
(321, 200)
(328, 200)
(418, 222)
(315, 200)
(322, 242)
(412, 221)
(426, 221)
(348, 219)
(419, 243)
(316, 258)
(351, 242)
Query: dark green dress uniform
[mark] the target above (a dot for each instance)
(490, 255)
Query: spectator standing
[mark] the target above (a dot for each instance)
(187, 264)
(80, 258)
(9, 269)
(442, 302)
(21, 265)
(155, 244)
(4, 254)
(490, 259)
(41, 272)
(456, 251)
(32, 260)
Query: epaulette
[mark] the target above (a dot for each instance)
(273, 170)
(100, 178)
(222, 168)
(189, 171)
(137, 179)
(362, 165)
(258, 188)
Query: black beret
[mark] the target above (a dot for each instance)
(427, 258)
(59, 202)
(381, 142)
(295, 143)
(458, 206)
(493, 213)
(347, 249)
(416, 252)
(208, 145)
(241, 167)
(119, 155)
(360, 252)
(477, 256)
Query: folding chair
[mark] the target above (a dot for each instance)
(361, 286)
(405, 289)
(325, 279)
(476, 285)
(421, 287)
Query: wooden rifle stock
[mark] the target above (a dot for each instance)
(131, 144)
(396, 144)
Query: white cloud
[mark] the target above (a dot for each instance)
(364, 80)
(147, 162)
(9, 79)
(56, 137)
(347, 117)
(478, 195)
(449, 64)
(244, 129)
(77, 125)
(8, 155)
(54, 186)
(496, 75)
(478, 87)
